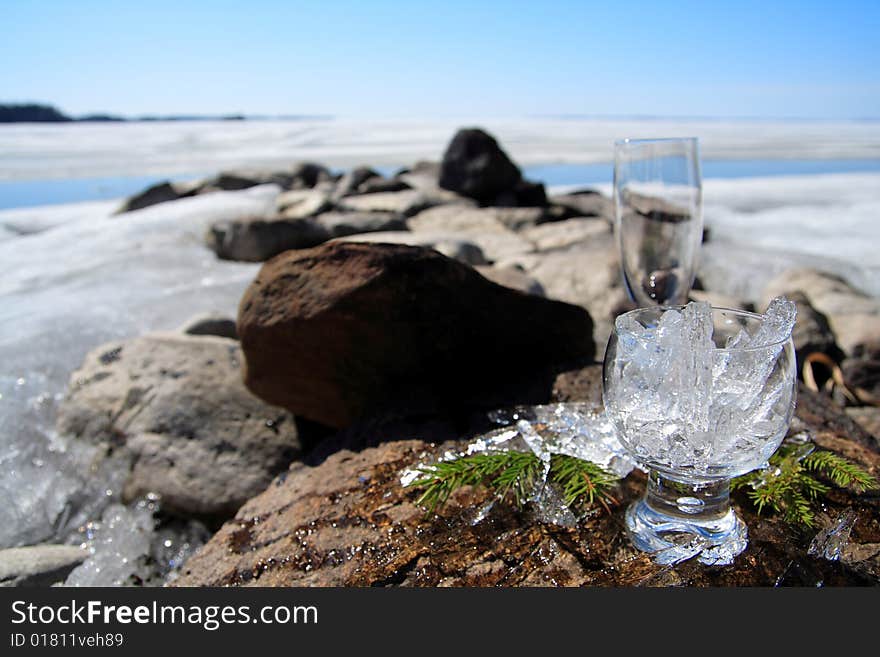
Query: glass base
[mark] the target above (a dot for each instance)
(677, 521)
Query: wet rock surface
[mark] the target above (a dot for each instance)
(349, 330)
(349, 522)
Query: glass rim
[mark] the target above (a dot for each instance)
(630, 141)
(734, 311)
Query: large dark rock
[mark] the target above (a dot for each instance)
(350, 522)
(347, 330)
(474, 165)
(176, 405)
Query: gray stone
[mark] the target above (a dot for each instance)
(586, 203)
(341, 224)
(404, 204)
(255, 239)
(302, 203)
(563, 234)
(177, 405)
(39, 565)
(478, 225)
(853, 316)
(456, 218)
(159, 193)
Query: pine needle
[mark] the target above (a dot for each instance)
(514, 474)
(790, 486)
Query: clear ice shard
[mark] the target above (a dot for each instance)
(830, 542)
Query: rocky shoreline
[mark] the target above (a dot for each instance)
(391, 314)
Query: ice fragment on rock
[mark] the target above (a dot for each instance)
(830, 542)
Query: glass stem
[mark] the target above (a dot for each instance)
(704, 501)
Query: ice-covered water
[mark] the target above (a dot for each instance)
(687, 406)
(87, 278)
(29, 151)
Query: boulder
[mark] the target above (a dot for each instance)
(176, 404)
(159, 193)
(341, 224)
(853, 316)
(349, 522)
(256, 239)
(349, 330)
(39, 565)
(474, 165)
(449, 244)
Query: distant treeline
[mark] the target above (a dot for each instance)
(36, 113)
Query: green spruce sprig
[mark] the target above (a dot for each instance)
(790, 485)
(514, 474)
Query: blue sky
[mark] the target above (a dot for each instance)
(432, 59)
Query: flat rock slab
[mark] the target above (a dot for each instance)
(348, 330)
(349, 522)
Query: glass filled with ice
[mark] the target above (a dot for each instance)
(698, 395)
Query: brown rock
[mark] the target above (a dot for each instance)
(347, 330)
(349, 522)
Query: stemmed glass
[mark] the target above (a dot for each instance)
(694, 414)
(659, 217)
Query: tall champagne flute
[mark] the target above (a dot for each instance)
(658, 201)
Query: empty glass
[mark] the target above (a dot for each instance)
(696, 400)
(659, 217)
